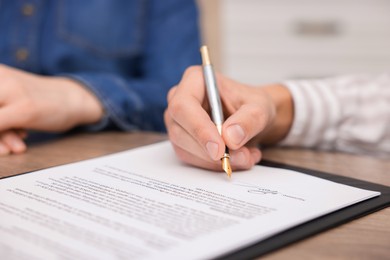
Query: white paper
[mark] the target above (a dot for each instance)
(145, 204)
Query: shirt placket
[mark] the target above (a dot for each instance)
(26, 41)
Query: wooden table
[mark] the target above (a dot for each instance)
(364, 238)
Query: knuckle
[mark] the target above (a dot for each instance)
(252, 114)
(200, 133)
(174, 133)
(257, 113)
(192, 71)
(255, 119)
(171, 93)
(174, 107)
(263, 116)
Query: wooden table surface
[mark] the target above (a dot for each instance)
(364, 238)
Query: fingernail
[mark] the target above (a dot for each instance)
(237, 159)
(235, 133)
(4, 150)
(212, 149)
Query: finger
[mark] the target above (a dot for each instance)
(179, 137)
(4, 150)
(244, 158)
(13, 141)
(12, 117)
(194, 160)
(185, 108)
(199, 127)
(192, 83)
(248, 121)
(171, 93)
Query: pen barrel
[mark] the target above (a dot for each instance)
(213, 95)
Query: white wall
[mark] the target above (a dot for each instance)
(271, 40)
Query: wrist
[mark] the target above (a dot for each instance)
(85, 106)
(278, 129)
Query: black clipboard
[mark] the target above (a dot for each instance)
(320, 224)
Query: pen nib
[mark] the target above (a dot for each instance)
(226, 165)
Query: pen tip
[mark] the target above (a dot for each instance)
(226, 166)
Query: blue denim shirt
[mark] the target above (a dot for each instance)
(127, 52)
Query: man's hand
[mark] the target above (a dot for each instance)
(252, 114)
(54, 104)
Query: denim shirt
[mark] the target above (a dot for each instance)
(129, 53)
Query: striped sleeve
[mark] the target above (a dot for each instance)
(349, 113)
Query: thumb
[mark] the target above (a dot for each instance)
(248, 121)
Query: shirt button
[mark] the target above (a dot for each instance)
(22, 54)
(28, 9)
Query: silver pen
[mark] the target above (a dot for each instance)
(215, 102)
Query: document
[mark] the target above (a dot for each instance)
(145, 204)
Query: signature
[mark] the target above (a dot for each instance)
(257, 190)
(254, 189)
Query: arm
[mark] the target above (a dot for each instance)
(29, 101)
(348, 113)
(170, 46)
(338, 114)
(99, 98)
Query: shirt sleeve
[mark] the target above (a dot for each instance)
(137, 101)
(348, 113)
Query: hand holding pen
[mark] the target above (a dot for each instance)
(250, 117)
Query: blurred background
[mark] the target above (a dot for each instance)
(263, 41)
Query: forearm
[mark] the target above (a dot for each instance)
(349, 113)
(84, 107)
(44, 103)
(129, 104)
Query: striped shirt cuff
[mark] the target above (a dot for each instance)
(316, 113)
